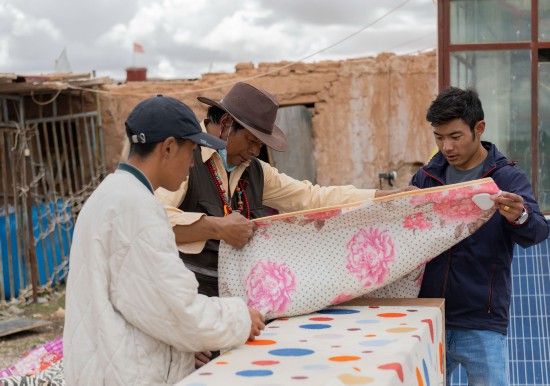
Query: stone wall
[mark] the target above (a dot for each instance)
(368, 113)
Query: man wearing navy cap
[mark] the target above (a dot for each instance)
(134, 315)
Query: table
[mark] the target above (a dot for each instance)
(363, 342)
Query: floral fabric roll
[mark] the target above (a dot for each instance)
(301, 262)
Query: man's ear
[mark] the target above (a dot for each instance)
(225, 126)
(479, 129)
(226, 119)
(168, 147)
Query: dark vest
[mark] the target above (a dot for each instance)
(202, 196)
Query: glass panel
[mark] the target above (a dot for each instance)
(490, 21)
(544, 20)
(503, 81)
(544, 136)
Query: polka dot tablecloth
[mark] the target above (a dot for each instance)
(340, 345)
(305, 261)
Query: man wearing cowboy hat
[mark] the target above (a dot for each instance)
(233, 180)
(228, 188)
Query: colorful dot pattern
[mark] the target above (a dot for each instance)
(313, 249)
(403, 347)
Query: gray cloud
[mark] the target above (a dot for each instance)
(184, 38)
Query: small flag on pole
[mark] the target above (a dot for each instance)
(138, 48)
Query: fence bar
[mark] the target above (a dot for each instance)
(4, 156)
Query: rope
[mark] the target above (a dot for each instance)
(412, 41)
(46, 102)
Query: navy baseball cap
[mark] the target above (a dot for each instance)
(157, 118)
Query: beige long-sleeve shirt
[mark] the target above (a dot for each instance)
(281, 192)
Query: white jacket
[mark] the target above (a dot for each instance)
(133, 315)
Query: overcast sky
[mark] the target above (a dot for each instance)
(186, 38)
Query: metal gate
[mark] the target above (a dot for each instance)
(49, 165)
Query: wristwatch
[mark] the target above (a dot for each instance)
(522, 217)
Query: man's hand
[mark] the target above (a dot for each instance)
(258, 323)
(382, 193)
(509, 205)
(202, 358)
(236, 230)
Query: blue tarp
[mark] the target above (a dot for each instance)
(52, 229)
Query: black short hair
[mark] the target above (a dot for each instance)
(454, 103)
(236, 126)
(215, 114)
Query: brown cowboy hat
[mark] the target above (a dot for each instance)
(254, 109)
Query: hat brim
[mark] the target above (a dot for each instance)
(205, 139)
(276, 140)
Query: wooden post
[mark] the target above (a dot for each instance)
(31, 250)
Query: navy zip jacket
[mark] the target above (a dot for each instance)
(474, 275)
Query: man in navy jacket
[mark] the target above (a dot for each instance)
(474, 276)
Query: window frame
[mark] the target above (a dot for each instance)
(445, 48)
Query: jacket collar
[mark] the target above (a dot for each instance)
(494, 160)
(136, 173)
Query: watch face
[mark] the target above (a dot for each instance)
(521, 219)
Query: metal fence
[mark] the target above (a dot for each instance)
(49, 164)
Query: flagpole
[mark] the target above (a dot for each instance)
(133, 57)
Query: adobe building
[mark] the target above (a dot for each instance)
(347, 121)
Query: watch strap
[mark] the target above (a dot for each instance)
(522, 217)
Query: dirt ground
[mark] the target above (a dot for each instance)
(51, 307)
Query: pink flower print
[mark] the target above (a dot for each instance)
(323, 215)
(343, 297)
(263, 229)
(419, 279)
(49, 359)
(416, 221)
(269, 285)
(318, 218)
(371, 251)
(288, 220)
(455, 205)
